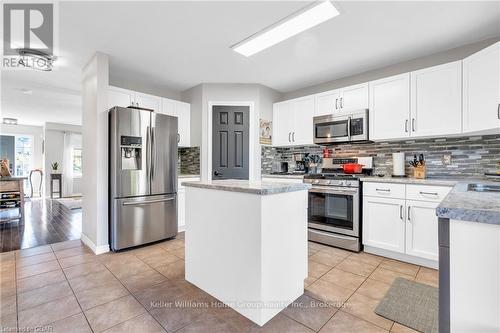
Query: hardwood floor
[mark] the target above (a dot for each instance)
(46, 221)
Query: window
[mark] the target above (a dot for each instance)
(77, 162)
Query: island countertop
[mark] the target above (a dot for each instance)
(464, 205)
(248, 186)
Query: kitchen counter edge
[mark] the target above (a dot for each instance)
(251, 187)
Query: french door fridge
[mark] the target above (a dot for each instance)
(142, 177)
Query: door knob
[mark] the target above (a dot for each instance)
(216, 173)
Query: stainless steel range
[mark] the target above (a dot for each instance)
(334, 213)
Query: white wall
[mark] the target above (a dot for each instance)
(95, 84)
(54, 152)
(200, 96)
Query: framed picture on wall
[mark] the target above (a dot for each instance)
(266, 131)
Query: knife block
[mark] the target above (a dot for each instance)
(419, 172)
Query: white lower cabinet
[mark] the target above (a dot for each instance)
(383, 223)
(422, 229)
(400, 227)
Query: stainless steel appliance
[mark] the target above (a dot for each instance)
(280, 167)
(345, 127)
(334, 212)
(142, 177)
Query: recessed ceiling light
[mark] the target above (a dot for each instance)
(292, 25)
(9, 121)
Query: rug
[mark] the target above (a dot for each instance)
(411, 304)
(71, 202)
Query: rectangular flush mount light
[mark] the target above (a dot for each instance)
(290, 26)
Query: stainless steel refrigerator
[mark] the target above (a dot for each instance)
(142, 177)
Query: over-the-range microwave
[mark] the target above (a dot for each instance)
(345, 127)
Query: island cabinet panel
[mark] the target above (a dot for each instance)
(247, 250)
(481, 90)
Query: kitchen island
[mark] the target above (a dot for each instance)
(246, 243)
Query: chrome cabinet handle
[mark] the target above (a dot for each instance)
(293, 136)
(382, 190)
(336, 103)
(178, 138)
(289, 133)
(406, 126)
(428, 193)
(413, 124)
(498, 111)
(341, 102)
(401, 212)
(409, 214)
(348, 128)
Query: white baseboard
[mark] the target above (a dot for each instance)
(96, 249)
(181, 228)
(402, 257)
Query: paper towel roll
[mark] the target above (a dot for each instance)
(398, 164)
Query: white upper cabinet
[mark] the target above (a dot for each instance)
(182, 111)
(293, 122)
(345, 99)
(327, 103)
(436, 100)
(283, 121)
(148, 101)
(354, 97)
(390, 107)
(119, 97)
(303, 112)
(481, 90)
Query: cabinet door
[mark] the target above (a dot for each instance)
(436, 100)
(148, 101)
(481, 90)
(168, 106)
(327, 103)
(119, 97)
(354, 97)
(283, 121)
(384, 223)
(390, 107)
(181, 208)
(422, 229)
(183, 112)
(303, 112)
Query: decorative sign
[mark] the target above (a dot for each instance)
(266, 131)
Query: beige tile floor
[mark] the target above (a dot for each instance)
(65, 288)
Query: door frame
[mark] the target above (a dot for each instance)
(251, 137)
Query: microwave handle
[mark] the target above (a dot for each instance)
(349, 128)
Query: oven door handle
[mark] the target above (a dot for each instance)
(331, 191)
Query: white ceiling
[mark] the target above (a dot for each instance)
(181, 44)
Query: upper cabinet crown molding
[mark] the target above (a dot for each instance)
(481, 90)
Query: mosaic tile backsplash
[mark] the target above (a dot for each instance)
(188, 162)
(471, 156)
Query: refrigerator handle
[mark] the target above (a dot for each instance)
(153, 153)
(148, 153)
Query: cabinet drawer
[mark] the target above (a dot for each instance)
(427, 192)
(384, 190)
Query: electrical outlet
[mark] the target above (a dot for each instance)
(446, 159)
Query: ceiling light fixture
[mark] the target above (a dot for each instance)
(36, 59)
(9, 121)
(292, 25)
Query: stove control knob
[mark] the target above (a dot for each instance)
(328, 182)
(316, 182)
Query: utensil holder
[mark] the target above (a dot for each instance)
(419, 172)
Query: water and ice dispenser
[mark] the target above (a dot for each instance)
(131, 152)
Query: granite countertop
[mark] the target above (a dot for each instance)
(252, 187)
(185, 175)
(461, 204)
(286, 176)
(410, 180)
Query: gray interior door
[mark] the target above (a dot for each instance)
(230, 130)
